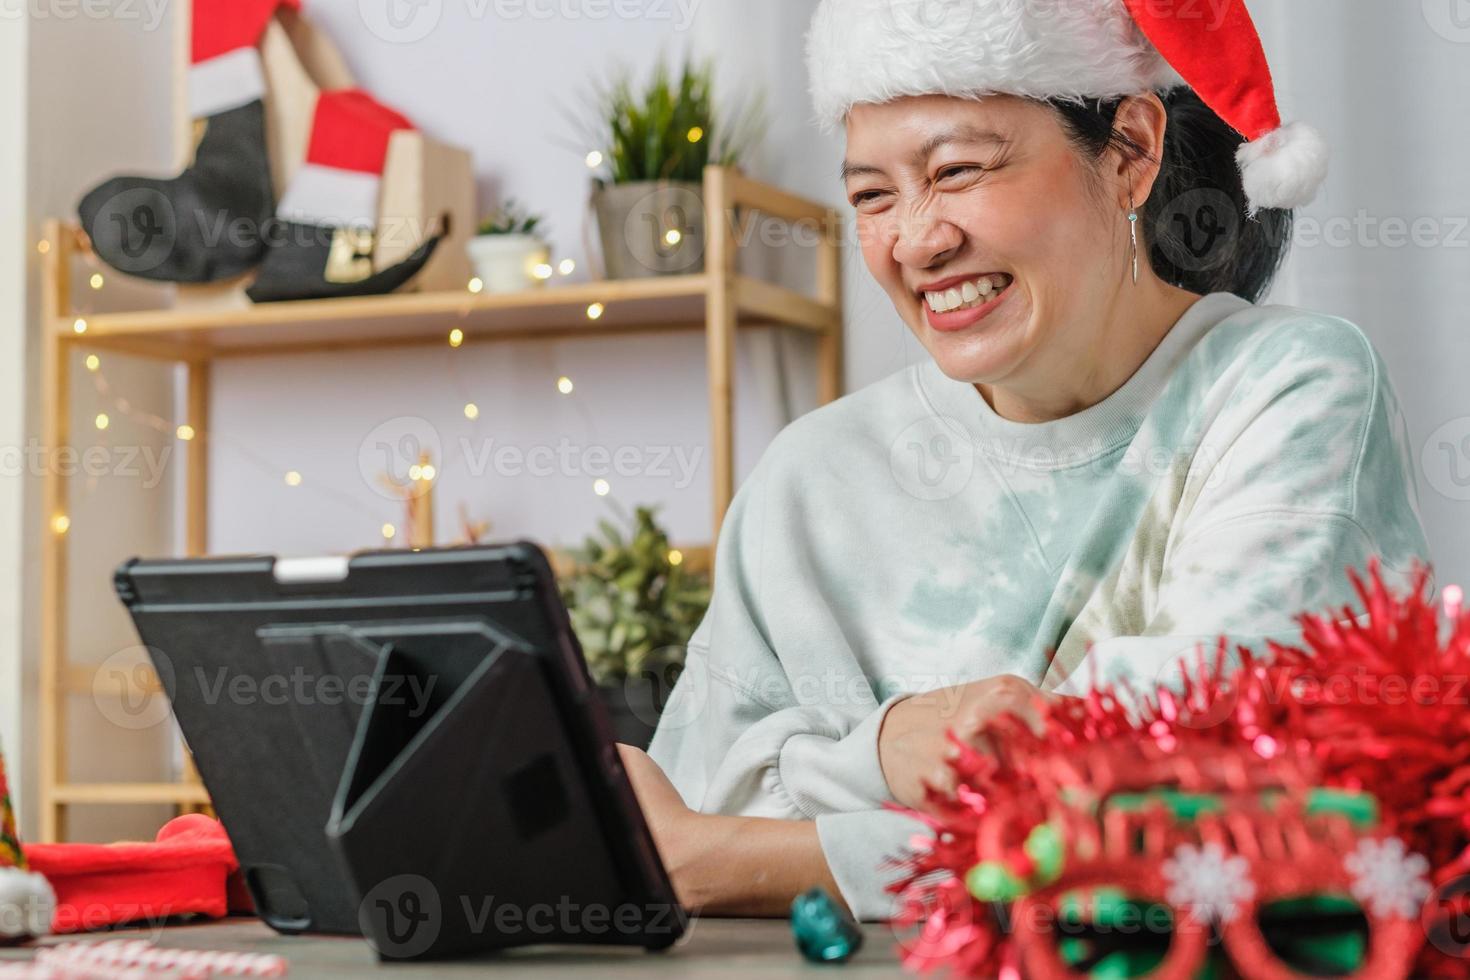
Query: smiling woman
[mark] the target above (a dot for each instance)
(1111, 455)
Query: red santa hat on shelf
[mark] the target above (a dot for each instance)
(872, 51)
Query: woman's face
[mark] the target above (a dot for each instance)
(986, 228)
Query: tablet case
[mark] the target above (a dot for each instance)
(465, 827)
(466, 626)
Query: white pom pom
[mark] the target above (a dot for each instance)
(1284, 168)
(26, 903)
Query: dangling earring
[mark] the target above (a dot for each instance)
(1133, 234)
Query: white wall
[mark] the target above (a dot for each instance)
(13, 248)
(1387, 83)
(97, 89)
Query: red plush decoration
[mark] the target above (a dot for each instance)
(185, 871)
(1371, 711)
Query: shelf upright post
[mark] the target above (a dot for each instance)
(196, 478)
(55, 522)
(196, 505)
(829, 291)
(720, 325)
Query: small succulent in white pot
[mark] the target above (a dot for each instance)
(507, 252)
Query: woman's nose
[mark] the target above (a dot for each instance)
(925, 240)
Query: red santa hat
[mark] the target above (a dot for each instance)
(872, 51)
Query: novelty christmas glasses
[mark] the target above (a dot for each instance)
(1129, 862)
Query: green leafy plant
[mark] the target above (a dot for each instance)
(670, 128)
(510, 219)
(632, 608)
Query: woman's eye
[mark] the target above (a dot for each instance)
(865, 197)
(963, 170)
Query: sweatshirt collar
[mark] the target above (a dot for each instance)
(1091, 433)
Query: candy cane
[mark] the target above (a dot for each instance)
(151, 961)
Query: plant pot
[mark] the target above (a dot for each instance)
(650, 228)
(507, 263)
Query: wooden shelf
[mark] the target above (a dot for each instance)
(717, 302)
(181, 794)
(673, 303)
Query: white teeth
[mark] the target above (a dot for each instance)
(973, 292)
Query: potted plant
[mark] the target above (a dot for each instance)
(633, 606)
(507, 251)
(654, 143)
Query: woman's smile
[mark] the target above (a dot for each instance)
(961, 302)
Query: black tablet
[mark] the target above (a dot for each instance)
(406, 745)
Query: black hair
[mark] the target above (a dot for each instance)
(1195, 222)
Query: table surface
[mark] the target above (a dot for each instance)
(711, 948)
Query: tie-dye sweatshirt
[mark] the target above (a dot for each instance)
(906, 537)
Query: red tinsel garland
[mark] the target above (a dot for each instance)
(1380, 706)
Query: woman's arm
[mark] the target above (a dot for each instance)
(914, 748)
(724, 865)
(733, 865)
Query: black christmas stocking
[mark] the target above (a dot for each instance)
(327, 222)
(209, 222)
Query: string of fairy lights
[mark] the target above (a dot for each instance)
(420, 472)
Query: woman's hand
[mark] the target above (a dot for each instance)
(913, 747)
(669, 819)
(726, 865)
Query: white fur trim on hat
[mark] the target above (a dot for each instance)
(1284, 168)
(26, 903)
(873, 51)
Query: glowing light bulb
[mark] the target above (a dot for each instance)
(293, 479)
(600, 488)
(673, 236)
(676, 557)
(567, 267)
(93, 362)
(472, 411)
(79, 325)
(61, 524)
(389, 531)
(428, 472)
(415, 472)
(456, 337)
(102, 421)
(696, 133)
(476, 284)
(564, 385)
(542, 270)
(594, 159)
(185, 432)
(43, 246)
(96, 281)
(595, 310)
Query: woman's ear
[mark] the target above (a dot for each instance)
(1143, 120)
